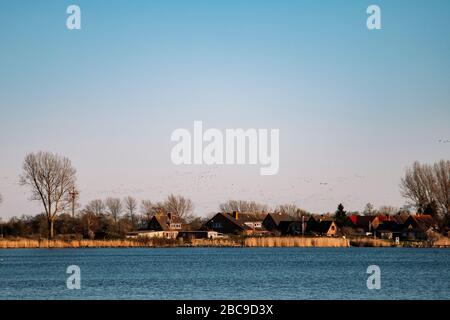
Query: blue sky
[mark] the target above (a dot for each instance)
(354, 107)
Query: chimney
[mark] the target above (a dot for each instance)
(169, 215)
(235, 215)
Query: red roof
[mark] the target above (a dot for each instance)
(354, 218)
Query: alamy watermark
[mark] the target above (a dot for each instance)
(73, 21)
(74, 280)
(374, 280)
(235, 146)
(374, 20)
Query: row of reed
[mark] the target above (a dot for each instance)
(228, 242)
(368, 242)
(32, 244)
(296, 242)
(131, 243)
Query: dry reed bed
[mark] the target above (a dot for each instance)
(28, 243)
(367, 242)
(243, 242)
(247, 242)
(35, 244)
(213, 243)
(442, 242)
(296, 242)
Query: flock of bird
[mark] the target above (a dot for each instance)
(214, 185)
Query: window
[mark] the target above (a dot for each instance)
(217, 225)
(253, 224)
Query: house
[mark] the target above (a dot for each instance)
(292, 228)
(418, 226)
(366, 224)
(169, 234)
(272, 221)
(160, 226)
(314, 226)
(201, 234)
(321, 227)
(236, 223)
(389, 229)
(165, 222)
(399, 218)
(421, 221)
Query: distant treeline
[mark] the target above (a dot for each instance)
(51, 180)
(112, 218)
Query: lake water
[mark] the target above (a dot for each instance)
(225, 273)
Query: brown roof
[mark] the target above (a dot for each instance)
(279, 217)
(400, 219)
(423, 221)
(242, 219)
(363, 221)
(390, 225)
(164, 221)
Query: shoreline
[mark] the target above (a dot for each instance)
(249, 242)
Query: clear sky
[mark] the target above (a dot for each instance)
(354, 107)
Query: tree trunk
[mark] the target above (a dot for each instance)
(50, 229)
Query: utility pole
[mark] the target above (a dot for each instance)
(303, 226)
(73, 195)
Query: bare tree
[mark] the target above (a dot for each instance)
(369, 209)
(249, 207)
(131, 205)
(427, 187)
(93, 210)
(417, 185)
(388, 210)
(96, 207)
(1, 222)
(51, 178)
(442, 176)
(179, 206)
(149, 209)
(291, 210)
(114, 207)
